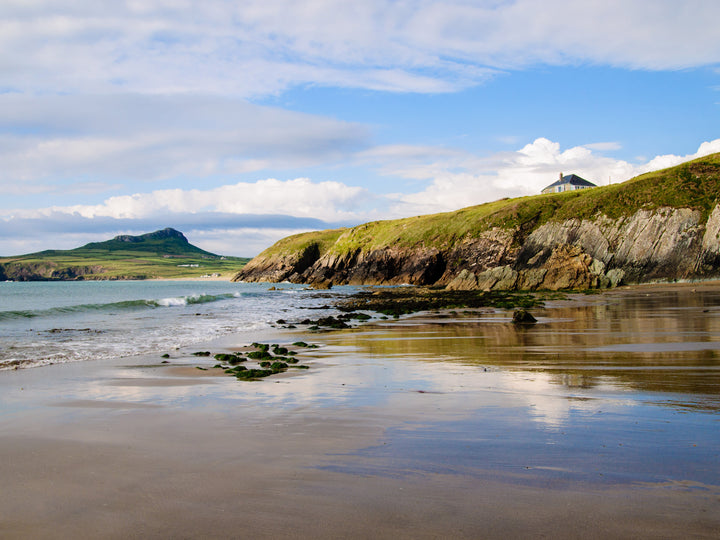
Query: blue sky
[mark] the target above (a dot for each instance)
(242, 122)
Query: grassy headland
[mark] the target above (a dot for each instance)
(160, 255)
(695, 184)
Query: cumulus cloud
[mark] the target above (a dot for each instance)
(256, 47)
(670, 160)
(300, 197)
(524, 172)
(255, 212)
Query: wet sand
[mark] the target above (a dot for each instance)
(602, 420)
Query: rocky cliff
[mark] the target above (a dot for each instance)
(46, 271)
(658, 227)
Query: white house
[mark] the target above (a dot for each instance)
(568, 183)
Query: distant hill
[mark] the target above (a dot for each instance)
(160, 254)
(663, 225)
(165, 242)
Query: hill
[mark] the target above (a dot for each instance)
(160, 254)
(662, 225)
(165, 242)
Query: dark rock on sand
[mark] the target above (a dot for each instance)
(522, 316)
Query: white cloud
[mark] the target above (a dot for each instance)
(416, 162)
(603, 146)
(524, 172)
(300, 197)
(245, 241)
(257, 47)
(670, 160)
(139, 138)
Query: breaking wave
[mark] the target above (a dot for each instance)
(170, 302)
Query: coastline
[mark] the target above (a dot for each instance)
(390, 433)
(227, 278)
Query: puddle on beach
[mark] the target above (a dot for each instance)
(622, 387)
(665, 344)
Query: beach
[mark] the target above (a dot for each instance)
(602, 420)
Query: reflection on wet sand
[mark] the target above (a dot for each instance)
(600, 421)
(647, 339)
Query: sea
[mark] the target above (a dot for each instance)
(44, 323)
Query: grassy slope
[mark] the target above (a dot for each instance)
(142, 260)
(695, 184)
(298, 243)
(136, 265)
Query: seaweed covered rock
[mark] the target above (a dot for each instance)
(522, 316)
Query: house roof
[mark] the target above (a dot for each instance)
(572, 179)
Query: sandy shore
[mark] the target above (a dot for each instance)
(424, 428)
(222, 277)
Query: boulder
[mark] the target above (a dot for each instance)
(522, 316)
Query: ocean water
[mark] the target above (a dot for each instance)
(44, 323)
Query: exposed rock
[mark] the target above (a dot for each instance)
(157, 235)
(522, 316)
(531, 279)
(614, 277)
(710, 250)
(390, 266)
(492, 248)
(278, 269)
(568, 267)
(660, 244)
(502, 278)
(46, 271)
(648, 245)
(465, 280)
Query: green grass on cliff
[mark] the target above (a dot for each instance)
(299, 243)
(695, 184)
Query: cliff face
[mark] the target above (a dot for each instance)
(660, 226)
(49, 271)
(664, 244)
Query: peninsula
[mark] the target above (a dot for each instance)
(163, 254)
(660, 226)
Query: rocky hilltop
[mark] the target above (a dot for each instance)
(167, 241)
(661, 226)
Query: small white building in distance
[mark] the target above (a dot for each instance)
(568, 183)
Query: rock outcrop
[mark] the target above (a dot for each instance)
(47, 271)
(664, 244)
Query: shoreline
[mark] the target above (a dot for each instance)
(228, 342)
(413, 428)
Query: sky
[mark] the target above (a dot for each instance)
(241, 122)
